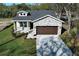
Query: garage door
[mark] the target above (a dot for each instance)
(46, 29)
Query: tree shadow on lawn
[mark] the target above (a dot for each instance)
(7, 42)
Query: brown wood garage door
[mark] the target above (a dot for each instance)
(46, 29)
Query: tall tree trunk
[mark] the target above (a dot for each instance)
(69, 20)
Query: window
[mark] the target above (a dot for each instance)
(23, 24)
(24, 13)
(21, 13)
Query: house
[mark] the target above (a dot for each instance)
(36, 23)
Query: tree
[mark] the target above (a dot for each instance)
(22, 6)
(42, 6)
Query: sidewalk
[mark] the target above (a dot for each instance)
(3, 24)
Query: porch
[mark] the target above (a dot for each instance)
(22, 26)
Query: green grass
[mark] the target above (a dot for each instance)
(17, 47)
(6, 35)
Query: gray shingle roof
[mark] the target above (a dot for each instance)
(35, 15)
(22, 18)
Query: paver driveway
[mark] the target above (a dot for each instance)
(52, 46)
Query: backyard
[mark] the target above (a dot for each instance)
(16, 46)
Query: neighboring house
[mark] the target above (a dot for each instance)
(41, 22)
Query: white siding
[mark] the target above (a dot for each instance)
(20, 29)
(47, 22)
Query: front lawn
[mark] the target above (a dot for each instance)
(16, 47)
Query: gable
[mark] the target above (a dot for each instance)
(48, 21)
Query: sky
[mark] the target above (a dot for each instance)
(39, 1)
(9, 4)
